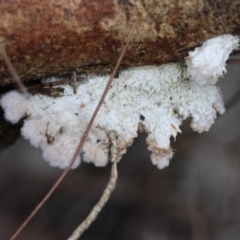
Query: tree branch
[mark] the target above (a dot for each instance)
(46, 38)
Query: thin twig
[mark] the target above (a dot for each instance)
(52, 84)
(99, 206)
(12, 70)
(79, 147)
(233, 61)
(74, 82)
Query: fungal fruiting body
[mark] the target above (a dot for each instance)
(151, 99)
(208, 62)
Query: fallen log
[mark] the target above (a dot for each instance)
(47, 38)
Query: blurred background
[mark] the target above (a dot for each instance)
(196, 198)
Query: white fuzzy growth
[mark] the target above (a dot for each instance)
(207, 63)
(19, 103)
(50, 80)
(153, 99)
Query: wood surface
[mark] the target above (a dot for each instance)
(46, 38)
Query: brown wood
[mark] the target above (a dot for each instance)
(46, 38)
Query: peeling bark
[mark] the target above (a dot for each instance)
(46, 38)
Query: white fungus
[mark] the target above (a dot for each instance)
(207, 63)
(151, 99)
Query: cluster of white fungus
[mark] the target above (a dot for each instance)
(151, 99)
(207, 63)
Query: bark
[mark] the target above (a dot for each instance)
(46, 38)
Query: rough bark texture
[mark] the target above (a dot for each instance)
(45, 38)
